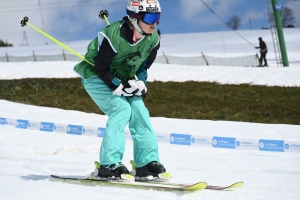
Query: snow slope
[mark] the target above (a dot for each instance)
(28, 157)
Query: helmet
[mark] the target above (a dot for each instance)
(146, 10)
(259, 38)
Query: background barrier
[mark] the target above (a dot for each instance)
(246, 61)
(169, 138)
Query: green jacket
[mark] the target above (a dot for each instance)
(127, 59)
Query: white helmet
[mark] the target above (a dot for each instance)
(146, 10)
(137, 6)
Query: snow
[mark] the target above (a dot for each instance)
(28, 157)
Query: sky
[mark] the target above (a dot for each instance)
(28, 156)
(71, 20)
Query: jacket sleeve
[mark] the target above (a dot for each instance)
(102, 61)
(142, 71)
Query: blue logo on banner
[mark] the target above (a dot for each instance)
(46, 126)
(22, 124)
(180, 139)
(286, 146)
(101, 132)
(198, 140)
(271, 145)
(162, 138)
(75, 129)
(292, 146)
(3, 121)
(223, 142)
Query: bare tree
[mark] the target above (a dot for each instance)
(234, 22)
(287, 16)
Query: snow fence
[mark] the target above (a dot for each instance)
(246, 61)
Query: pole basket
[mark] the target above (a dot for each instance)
(24, 21)
(103, 13)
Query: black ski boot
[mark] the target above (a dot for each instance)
(153, 168)
(112, 171)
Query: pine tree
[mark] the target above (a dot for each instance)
(5, 44)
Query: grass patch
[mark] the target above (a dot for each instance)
(188, 100)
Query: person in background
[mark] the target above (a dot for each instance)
(263, 52)
(122, 54)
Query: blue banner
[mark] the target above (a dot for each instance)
(74, 129)
(22, 124)
(101, 132)
(223, 142)
(47, 126)
(271, 145)
(180, 139)
(171, 138)
(3, 121)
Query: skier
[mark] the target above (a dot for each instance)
(122, 54)
(263, 52)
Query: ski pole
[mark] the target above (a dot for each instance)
(103, 15)
(25, 22)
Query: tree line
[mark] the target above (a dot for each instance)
(287, 19)
(5, 43)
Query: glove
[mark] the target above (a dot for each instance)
(142, 88)
(256, 47)
(127, 88)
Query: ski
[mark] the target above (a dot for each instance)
(148, 184)
(232, 186)
(166, 177)
(133, 184)
(208, 187)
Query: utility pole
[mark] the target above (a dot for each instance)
(42, 19)
(25, 39)
(276, 10)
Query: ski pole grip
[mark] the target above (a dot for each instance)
(24, 21)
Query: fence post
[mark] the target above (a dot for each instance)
(257, 57)
(165, 57)
(7, 59)
(64, 55)
(204, 58)
(34, 58)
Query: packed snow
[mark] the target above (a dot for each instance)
(28, 157)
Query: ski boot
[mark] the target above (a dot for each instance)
(153, 171)
(116, 172)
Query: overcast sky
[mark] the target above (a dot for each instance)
(69, 20)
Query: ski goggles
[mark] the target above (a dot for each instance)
(146, 17)
(150, 18)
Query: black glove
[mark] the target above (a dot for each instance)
(256, 47)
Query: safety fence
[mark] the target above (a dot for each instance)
(267, 145)
(246, 61)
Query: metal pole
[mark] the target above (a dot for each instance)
(42, 20)
(223, 42)
(276, 11)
